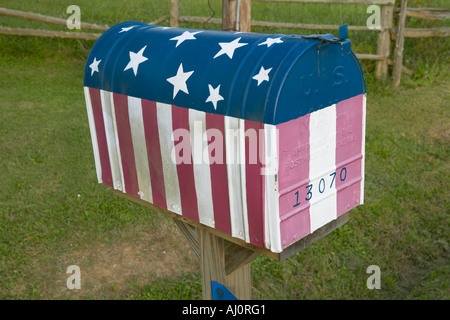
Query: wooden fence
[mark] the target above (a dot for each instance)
(53, 20)
(237, 16)
(239, 19)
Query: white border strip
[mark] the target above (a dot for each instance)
(90, 113)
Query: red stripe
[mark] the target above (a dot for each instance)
(101, 136)
(349, 117)
(185, 171)
(131, 184)
(219, 183)
(293, 175)
(254, 183)
(149, 114)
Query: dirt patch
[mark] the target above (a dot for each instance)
(122, 268)
(440, 130)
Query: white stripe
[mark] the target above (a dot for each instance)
(235, 191)
(271, 202)
(363, 148)
(243, 178)
(165, 130)
(116, 135)
(90, 113)
(112, 140)
(140, 148)
(322, 163)
(202, 171)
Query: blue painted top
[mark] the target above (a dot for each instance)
(260, 77)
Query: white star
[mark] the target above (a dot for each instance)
(214, 95)
(135, 60)
(126, 29)
(94, 65)
(229, 47)
(185, 36)
(271, 41)
(263, 75)
(179, 81)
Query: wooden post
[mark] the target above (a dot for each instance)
(399, 43)
(213, 268)
(174, 13)
(245, 16)
(221, 261)
(229, 15)
(225, 259)
(384, 41)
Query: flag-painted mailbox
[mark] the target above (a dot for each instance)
(258, 136)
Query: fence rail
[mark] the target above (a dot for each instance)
(386, 31)
(239, 19)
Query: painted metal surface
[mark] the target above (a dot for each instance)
(220, 292)
(258, 136)
(259, 77)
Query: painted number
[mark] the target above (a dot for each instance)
(322, 186)
(296, 201)
(309, 194)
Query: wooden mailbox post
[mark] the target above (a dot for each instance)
(225, 259)
(241, 138)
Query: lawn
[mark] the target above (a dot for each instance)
(53, 214)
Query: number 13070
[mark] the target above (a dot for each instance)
(325, 183)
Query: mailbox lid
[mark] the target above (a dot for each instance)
(258, 77)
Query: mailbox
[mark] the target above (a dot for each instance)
(259, 136)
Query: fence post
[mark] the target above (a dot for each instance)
(174, 13)
(229, 8)
(245, 16)
(384, 40)
(399, 43)
(230, 12)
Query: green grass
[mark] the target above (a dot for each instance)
(54, 214)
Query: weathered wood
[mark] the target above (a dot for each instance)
(239, 282)
(384, 41)
(427, 13)
(191, 235)
(158, 21)
(404, 69)
(174, 13)
(237, 256)
(212, 261)
(366, 56)
(47, 19)
(422, 32)
(213, 268)
(307, 26)
(381, 2)
(228, 265)
(399, 44)
(201, 20)
(49, 34)
(245, 16)
(229, 8)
